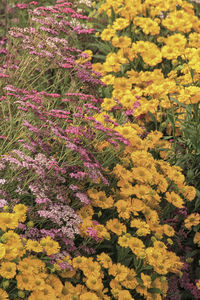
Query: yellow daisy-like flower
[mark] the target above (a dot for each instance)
(49, 245)
(123, 209)
(116, 226)
(168, 230)
(123, 240)
(8, 270)
(124, 294)
(34, 246)
(89, 295)
(197, 238)
(94, 283)
(192, 220)
(119, 271)
(137, 246)
(198, 284)
(2, 250)
(3, 295)
(105, 260)
(8, 220)
(174, 199)
(108, 104)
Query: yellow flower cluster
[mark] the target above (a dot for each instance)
(151, 34)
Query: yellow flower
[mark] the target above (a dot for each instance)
(123, 208)
(68, 290)
(148, 25)
(101, 200)
(115, 226)
(94, 283)
(8, 270)
(123, 240)
(91, 268)
(168, 230)
(102, 231)
(108, 103)
(122, 83)
(79, 261)
(108, 79)
(130, 281)
(197, 238)
(49, 245)
(20, 210)
(121, 41)
(120, 23)
(24, 282)
(33, 246)
(105, 260)
(3, 295)
(146, 280)
(119, 271)
(174, 199)
(89, 296)
(108, 33)
(8, 220)
(137, 246)
(189, 192)
(198, 284)
(125, 295)
(141, 174)
(192, 220)
(2, 250)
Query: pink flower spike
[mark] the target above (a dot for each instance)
(21, 6)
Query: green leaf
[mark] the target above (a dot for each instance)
(155, 291)
(192, 253)
(139, 280)
(152, 117)
(176, 101)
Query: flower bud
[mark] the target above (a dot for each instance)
(5, 284)
(30, 224)
(21, 294)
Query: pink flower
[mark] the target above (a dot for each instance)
(93, 233)
(21, 6)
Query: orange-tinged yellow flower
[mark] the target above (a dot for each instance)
(168, 230)
(49, 245)
(174, 199)
(137, 246)
(119, 271)
(89, 295)
(192, 220)
(108, 104)
(94, 283)
(8, 220)
(189, 192)
(8, 270)
(146, 280)
(91, 268)
(3, 295)
(130, 281)
(124, 294)
(122, 83)
(121, 41)
(198, 284)
(120, 23)
(2, 250)
(197, 238)
(105, 260)
(33, 246)
(123, 240)
(115, 226)
(123, 208)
